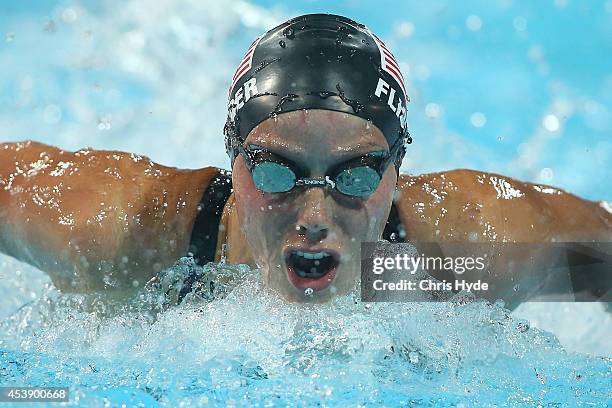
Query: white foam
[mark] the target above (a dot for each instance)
(606, 206)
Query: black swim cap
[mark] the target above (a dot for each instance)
(318, 61)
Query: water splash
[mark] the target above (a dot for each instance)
(233, 341)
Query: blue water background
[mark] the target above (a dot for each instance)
(516, 87)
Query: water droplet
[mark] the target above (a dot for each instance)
(478, 119)
(413, 356)
(69, 15)
(551, 123)
(405, 29)
(522, 326)
(288, 32)
(520, 23)
(50, 26)
(546, 175)
(104, 122)
(308, 292)
(473, 23)
(433, 110)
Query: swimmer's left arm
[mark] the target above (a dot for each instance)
(470, 206)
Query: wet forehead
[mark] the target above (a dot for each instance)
(318, 135)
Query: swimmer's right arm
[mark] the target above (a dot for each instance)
(92, 219)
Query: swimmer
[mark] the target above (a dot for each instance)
(316, 132)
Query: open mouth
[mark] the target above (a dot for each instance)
(311, 269)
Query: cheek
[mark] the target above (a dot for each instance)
(377, 207)
(257, 212)
(249, 200)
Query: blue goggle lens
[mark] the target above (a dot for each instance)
(273, 177)
(358, 181)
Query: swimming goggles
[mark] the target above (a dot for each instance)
(358, 177)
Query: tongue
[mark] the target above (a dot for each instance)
(312, 273)
(311, 268)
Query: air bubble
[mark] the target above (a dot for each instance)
(308, 292)
(522, 326)
(413, 356)
(288, 32)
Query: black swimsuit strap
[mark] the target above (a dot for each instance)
(203, 243)
(394, 230)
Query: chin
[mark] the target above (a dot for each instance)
(294, 292)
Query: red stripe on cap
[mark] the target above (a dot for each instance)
(388, 62)
(396, 75)
(395, 72)
(244, 62)
(242, 71)
(388, 54)
(392, 61)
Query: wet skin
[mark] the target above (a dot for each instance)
(102, 220)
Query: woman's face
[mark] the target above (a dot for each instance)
(307, 241)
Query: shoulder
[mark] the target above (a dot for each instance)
(454, 204)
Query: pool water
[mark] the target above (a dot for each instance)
(236, 343)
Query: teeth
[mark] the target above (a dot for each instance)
(313, 255)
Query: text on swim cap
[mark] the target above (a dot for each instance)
(241, 96)
(384, 88)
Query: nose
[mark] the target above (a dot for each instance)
(314, 218)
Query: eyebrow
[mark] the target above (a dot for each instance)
(339, 158)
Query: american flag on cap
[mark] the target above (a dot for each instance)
(388, 62)
(246, 64)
